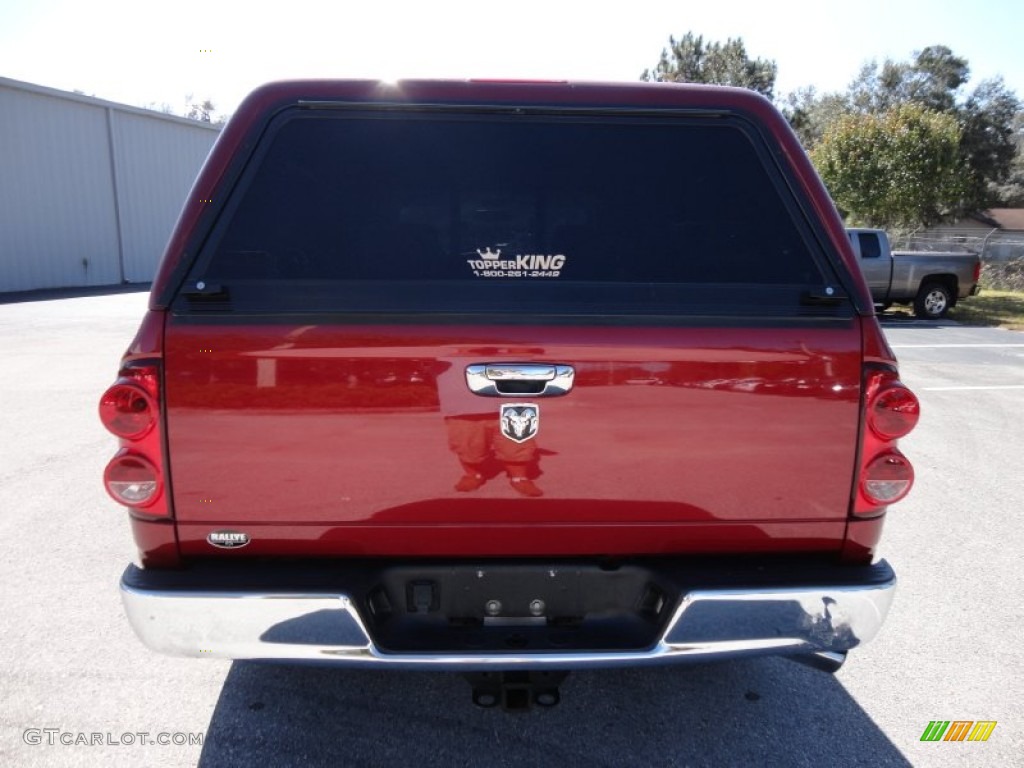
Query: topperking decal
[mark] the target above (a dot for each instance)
(491, 264)
(520, 421)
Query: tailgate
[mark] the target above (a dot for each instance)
(669, 440)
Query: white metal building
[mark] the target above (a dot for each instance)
(89, 189)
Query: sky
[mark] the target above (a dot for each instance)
(153, 52)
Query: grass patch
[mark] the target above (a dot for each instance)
(1002, 309)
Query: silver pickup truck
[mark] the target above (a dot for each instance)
(932, 282)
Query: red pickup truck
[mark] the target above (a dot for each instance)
(508, 378)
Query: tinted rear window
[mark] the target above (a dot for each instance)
(427, 211)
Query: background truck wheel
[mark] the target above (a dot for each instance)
(933, 301)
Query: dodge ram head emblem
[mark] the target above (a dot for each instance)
(520, 421)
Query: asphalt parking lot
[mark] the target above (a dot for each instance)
(71, 665)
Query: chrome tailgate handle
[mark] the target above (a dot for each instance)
(504, 379)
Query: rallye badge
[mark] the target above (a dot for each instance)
(520, 421)
(228, 539)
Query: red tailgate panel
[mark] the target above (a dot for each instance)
(672, 439)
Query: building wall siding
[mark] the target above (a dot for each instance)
(60, 223)
(157, 162)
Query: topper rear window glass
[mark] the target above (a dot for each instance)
(347, 198)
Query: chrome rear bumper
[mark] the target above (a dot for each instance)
(328, 627)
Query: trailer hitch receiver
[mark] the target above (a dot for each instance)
(516, 691)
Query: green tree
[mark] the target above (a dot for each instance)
(1011, 192)
(897, 169)
(934, 79)
(989, 145)
(692, 60)
(811, 114)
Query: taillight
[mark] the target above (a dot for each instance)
(130, 409)
(887, 478)
(891, 411)
(977, 272)
(127, 410)
(132, 480)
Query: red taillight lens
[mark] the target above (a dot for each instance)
(131, 410)
(977, 272)
(887, 479)
(890, 412)
(127, 410)
(893, 411)
(132, 480)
